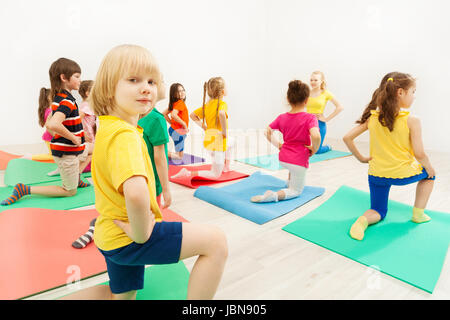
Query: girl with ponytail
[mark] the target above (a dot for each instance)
(397, 155)
(212, 117)
(44, 114)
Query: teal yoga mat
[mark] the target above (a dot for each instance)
(31, 172)
(164, 282)
(270, 161)
(84, 197)
(413, 253)
(235, 198)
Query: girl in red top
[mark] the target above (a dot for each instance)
(177, 115)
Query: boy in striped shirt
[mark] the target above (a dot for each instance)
(68, 144)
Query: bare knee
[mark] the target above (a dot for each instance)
(130, 295)
(219, 245)
(71, 193)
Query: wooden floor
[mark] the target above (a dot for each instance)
(266, 262)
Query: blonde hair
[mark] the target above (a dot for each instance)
(323, 85)
(119, 62)
(214, 87)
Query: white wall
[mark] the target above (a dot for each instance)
(355, 43)
(257, 46)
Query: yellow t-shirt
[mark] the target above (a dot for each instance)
(119, 153)
(317, 104)
(392, 153)
(214, 140)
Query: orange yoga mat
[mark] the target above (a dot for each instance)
(5, 157)
(37, 253)
(195, 182)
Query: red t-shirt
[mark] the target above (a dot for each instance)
(183, 113)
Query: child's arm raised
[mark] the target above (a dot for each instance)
(415, 131)
(137, 201)
(352, 135)
(55, 125)
(163, 173)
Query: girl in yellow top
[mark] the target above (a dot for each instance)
(213, 118)
(128, 231)
(317, 102)
(397, 156)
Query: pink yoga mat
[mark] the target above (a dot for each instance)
(195, 182)
(37, 253)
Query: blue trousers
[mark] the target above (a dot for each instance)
(380, 187)
(323, 132)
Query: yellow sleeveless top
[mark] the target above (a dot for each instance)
(392, 153)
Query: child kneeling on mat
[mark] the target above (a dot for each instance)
(301, 140)
(397, 155)
(129, 231)
(68, 144)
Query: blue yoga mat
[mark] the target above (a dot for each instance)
(411, 252)
(235, 198)
(271, 162)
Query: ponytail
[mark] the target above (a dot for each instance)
(371, 106)
(44, 103)
(204, 101)
(385, 98)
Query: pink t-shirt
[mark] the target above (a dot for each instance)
(89, 120)
(295, 129)
(47, 136)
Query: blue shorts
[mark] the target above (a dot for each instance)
(380, 187)
(178, 139)
(126, 265)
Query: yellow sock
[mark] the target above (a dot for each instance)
(419, 216)
(358, 228)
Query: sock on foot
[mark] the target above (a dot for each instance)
(82, 184)
(268, 196)
(419, 216)
(358, 228)
(86, 238)
(53, 173)
(19, 191)
(182, 173)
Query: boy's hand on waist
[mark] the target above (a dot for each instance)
(76, 141)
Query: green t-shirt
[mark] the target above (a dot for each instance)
(155, 134)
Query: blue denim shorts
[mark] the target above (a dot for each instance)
(126, 265)
(178, 139)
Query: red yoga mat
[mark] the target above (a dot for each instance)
(195, 182)
(37, 253)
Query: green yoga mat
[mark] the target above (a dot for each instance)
(84, 197)
(413, 253)
(270, 161)
(31, 172)
(164, 282)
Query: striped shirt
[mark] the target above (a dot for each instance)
(64, 102)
